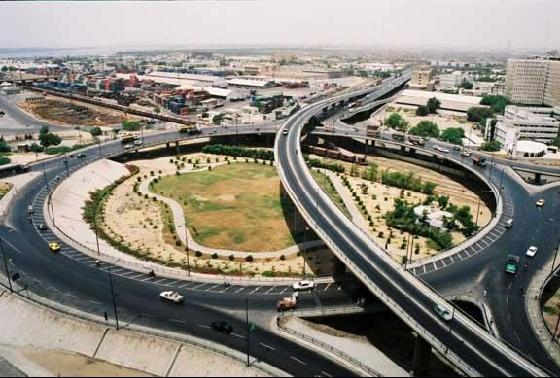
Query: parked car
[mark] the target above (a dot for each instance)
(532, 251)
(509, 223)
(443, 312)
(304, 285)
(222, 326)
(172, 296)
(30, 209)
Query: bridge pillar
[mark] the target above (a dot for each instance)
(403, 148)
(538, 178)
(421, 358)
(167, 145)
(412, 151)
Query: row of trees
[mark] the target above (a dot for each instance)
(408, 181)
(318, 163)
(238, 151)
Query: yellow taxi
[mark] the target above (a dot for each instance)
(54, 247)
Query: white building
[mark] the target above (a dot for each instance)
(530, 124)
(453, 80)
(534, 81)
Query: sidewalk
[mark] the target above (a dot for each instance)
(18, 182)
(43, 342)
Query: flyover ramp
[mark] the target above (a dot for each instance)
(461, 341)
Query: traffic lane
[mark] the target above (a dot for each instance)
(286, 153)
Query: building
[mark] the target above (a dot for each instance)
(453, 80)
(529, 124)
(421, 78)
(534, 81)
(448, 102)
(8, 88)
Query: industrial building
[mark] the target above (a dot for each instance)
(449, 102)
(534, 81)
(530, 124)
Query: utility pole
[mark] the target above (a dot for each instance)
(187, 247)
(95, 228)
(113, 298)
(247, 328)
(477, 210)
(6, 265)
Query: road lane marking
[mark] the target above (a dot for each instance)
(200, 285)
(203, 326)
(178, 321)
(254, 291)
(298, 360)
(240, 290)
(237, 335)
(267, 346)
(269, 290)
(327, 287)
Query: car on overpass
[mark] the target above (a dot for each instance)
(443, 312)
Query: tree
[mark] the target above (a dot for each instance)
(496, 102)
(4, 146)
(479, 114)
(433, 105)
(47, 138)
(95, 131)
(396, 121)
(466, 84)
(426, 129)
(453, 135)
(556, 141)
(131, 125)
(422, 111)
(491, 146)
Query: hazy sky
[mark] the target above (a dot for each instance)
(458, 24)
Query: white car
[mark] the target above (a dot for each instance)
(465, 154)
(304, 285)
(128, 146)
(172, 296)
(540, 203)
(138, 142)
(532, 251)
(444, 150)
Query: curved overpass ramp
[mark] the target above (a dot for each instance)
(461, 341)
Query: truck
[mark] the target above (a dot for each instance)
(416, 140)
(128, 139)
(512, 264)
(373, 131)
(479, 160)
(190, 130)
(287, 303)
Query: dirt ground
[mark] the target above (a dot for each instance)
(139, 222)
(385, 196)
(66, 112)
(65, 364)
(5, 188)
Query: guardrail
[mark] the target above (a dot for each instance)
(321, 344)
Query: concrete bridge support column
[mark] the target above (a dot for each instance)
(538, 178)
(421, 358)
(167, 145)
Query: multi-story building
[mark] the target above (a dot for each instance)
(534, 81)
(534, 124)
(421, 78)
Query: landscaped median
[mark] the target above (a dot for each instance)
(240, 223)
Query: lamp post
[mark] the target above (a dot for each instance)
(6, 265)
(95, 228)
(113, 298)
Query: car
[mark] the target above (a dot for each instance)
(532, 251)
(444, 150)
(512, 264)
(304, 285)
(509, 223)
(465, 154)
(81, 156)
(222, 326)
(540, 203)
(443, 312)
(172, 296)
(54, 247)
(42, 227)
(285, 132)
(457, 148)
(138, 142)
(30, 209)
(128, 146)
(435, 147)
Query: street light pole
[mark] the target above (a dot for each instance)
(247, 329)
(95, 228)
(6, 265)
(113, 298)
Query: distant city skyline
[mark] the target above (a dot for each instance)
(492, 25)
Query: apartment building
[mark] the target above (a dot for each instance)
(421, 78)
(531, 123)
(534, 81)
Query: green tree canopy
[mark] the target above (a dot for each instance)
(492, 146)
(396, 121)
(131, 125)
(496, 102)
(95, 131)
(422, 111)
(453, 135)
(426, 129)
(47, 138)
(433, 105)
(479, 114)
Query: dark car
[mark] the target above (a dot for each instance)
(42, 227)
(222, 326)
(80, 156)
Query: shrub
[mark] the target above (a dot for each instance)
(249, 258)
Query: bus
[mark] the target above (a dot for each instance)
(13, 169)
